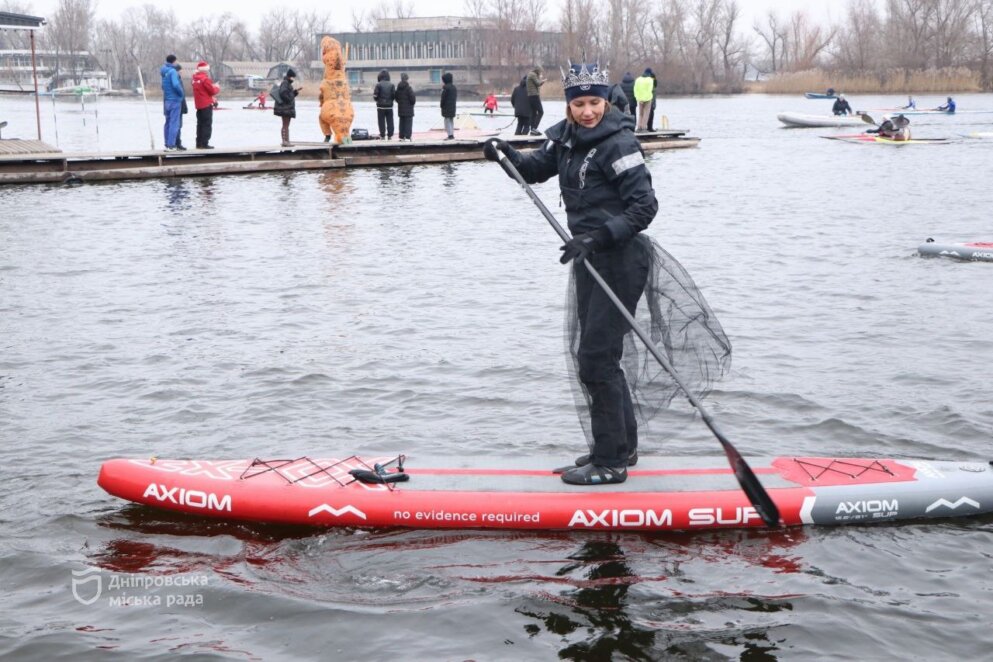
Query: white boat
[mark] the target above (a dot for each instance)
(805, 120)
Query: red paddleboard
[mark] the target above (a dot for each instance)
(660, 494)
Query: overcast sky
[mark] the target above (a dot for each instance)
(341, 10)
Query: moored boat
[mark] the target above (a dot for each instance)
(803, 120)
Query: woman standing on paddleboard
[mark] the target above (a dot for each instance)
(609, 200)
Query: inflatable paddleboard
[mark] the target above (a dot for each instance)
(661, 494)
(977, 251)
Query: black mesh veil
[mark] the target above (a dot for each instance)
(685, 330)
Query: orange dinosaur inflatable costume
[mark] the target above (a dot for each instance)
(336, 97)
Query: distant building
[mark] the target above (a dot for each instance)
(479, 56)
(56, 71)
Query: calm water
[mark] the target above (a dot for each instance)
(419, 309)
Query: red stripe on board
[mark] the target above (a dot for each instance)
(547, 472)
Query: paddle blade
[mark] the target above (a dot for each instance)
(750, 485)
(866, 118)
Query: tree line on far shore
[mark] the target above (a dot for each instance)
(694, 46)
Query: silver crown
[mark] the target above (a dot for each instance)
(587, 76)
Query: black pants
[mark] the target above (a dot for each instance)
(385, 116)
(523, 125)
(651, 117)
(406, 127)
(205, 125)
(601, 345)
(537, 112)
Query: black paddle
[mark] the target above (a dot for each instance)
(749, 482)
(867, 118)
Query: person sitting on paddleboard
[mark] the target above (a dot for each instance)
(261, 99)
(911, 104)
(949, 106)
(609, 201)
(841, 106)
(895, 128)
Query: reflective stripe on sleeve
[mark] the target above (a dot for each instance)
(627, 162)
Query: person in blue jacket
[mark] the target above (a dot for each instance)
(949, 106)
(172, 101)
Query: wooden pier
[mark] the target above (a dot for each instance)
(36, 167)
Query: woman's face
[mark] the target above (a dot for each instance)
(587, 111)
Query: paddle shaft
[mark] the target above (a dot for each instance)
(749, 482)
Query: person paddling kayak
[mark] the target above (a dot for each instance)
(948, 106)
(895, 128)
(609, 200)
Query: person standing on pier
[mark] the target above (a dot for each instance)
(286, 105)
(644, 88)
(449, 97)
(384, 95)
(405, 107)
(172, 101)
(522, 108)
(183, 108)
(204, 90)
(534, 83)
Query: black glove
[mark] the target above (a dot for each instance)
(583, 245)
(493, 147)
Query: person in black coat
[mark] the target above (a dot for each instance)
(609, 200)
(286, 105)
(449, 97)
(384, 95)
(522, 108)
(627, 85)
(405, 107)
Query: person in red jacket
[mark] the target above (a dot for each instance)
(204, 90)
(490, 104)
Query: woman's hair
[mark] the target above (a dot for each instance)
(568, 111)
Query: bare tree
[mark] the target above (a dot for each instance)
(733, 50)
(983, 21)
(951, 31)
(859, 46)
(218, 38)
(68, 34)
(806, 42)
(773, 35)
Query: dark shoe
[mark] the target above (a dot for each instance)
(450, 138)
(592, 474)
(208, 147)
(535, 133)
(584, 460)
(180, 148)
(327, 139)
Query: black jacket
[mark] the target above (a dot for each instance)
(627, 85)
(618, 99)
(449, 95)
(385, 91)
(602, 175)
(405, 99)
(841, 107)
(287, 107)
(519, 100)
